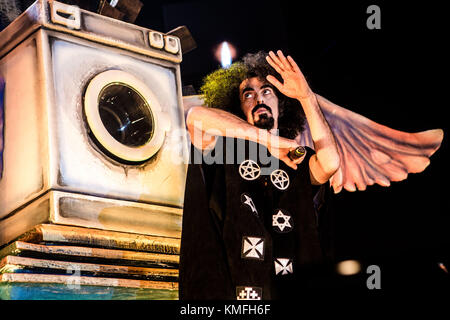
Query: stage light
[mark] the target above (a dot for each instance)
(348, 267)
(225, 53)
(443, 267)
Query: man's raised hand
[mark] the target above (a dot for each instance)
(294, 83)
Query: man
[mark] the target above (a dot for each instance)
(243, 237)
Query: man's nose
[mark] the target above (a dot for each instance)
(260, 99)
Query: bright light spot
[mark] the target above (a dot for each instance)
(443, 267)
(348, 267)
(225, 55)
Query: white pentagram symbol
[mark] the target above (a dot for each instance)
(249, 170)
(281, 221)
(248, 201)
(280, 179)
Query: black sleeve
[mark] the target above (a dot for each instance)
(203, 269)
(323, 208)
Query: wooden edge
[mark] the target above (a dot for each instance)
(101, 238)
(10, 249)
(86, 252)
(14, 263)
(73, 281)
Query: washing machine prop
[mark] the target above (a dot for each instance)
(93, 131)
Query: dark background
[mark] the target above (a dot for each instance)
(394, 76)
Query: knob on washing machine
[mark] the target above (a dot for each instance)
(171, 44)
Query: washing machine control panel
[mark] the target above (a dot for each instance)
(83, 23)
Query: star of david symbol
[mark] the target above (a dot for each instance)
(283, 266)
(280, 179)
(281, 221)
(248, 293)
(253, 248)
(249, 202)
(249, 170)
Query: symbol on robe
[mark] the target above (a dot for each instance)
(283, 266)
(249, 202)
(248, 293)
(249, 170)
(281, 221)
(253, 248)
(280, 179)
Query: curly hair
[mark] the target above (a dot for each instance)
(220, 89)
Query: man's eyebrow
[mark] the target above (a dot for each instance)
(266, 86)
(247, 89)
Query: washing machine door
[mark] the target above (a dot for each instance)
(124, 116)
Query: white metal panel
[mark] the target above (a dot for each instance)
(25, 134)
(84, 169)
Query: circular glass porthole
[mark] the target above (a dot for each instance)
(124, 116)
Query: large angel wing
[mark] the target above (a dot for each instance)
(373, 153)
(370, 152)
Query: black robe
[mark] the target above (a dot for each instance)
(245, 237)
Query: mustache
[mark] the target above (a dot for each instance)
(261, 105)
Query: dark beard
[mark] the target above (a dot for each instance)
(265, 121)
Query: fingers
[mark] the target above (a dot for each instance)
(288, 143)
(274, 81)
(289, 163)
(280, 63)
(282, 154)
(293, 64)
(299, 160)
(286, 64)
(274, 64)
(293, 163)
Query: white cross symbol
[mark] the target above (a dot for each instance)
(280, 179)
(249, 170)
(253, 247)
(254, 295)
(248, 201)
(248, 294)
(243, 294)
(283, 266)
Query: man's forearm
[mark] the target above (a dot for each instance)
(204, 124)
(324, 142)
(216, 122)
